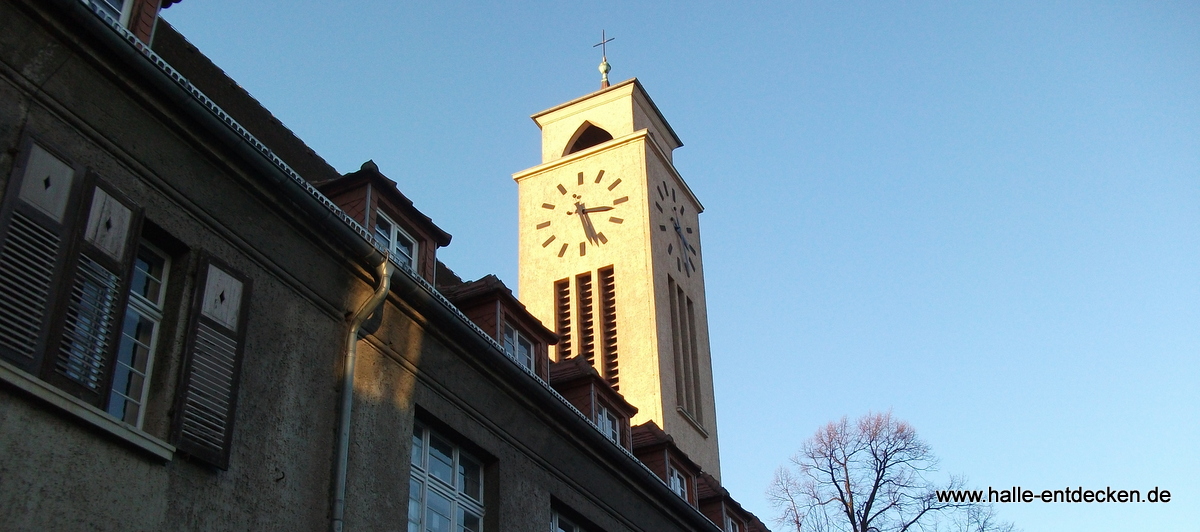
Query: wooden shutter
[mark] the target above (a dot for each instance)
(82, 361)
(208, 387)
(37, 225)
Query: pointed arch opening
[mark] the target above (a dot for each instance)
(586, 136)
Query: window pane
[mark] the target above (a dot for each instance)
(524, 352)
(148, 270)
(611, 427)
(418, 447)
(136, 335)
(510, 341)
(437, 514)
(565, 526)
(414, 505)
(468, 521)
(404, 245)
(468, 477)
(111, 7)
(383, 232)
(441, 460)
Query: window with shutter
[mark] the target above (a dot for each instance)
(67, 243)
(83, 359)
(207, 393)
(37, 224)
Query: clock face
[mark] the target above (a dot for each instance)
(675, 223)
(578, 211)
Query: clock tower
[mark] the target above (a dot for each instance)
(610, 259)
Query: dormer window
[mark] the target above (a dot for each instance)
(731, 525)
(677, 482)
(402, 246)
(608, 424)
(518, 347)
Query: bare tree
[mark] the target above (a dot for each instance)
(871, 477)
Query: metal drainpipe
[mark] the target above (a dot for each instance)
(384, 272)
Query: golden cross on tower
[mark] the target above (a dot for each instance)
(604, 68)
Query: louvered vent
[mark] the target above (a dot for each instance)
(26, 266)
(587, 335)
(90, 316)
(562, 317)
(209, 400)
(608, 325)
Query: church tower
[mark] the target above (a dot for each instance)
(610, 259)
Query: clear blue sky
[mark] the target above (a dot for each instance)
(983, 217)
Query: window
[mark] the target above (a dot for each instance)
(402, 247)
(731, 525)
(67, 245)
(82, 300)
(117, 9)
(558, 523)
(677, 482)
(518, 347)
(608, 425)
(445, 491)
(139, 335)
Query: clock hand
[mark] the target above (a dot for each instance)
(598, 209)
(682, 239)
(588, 230)
(591, 230)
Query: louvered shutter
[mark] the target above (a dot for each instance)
(37, 226)
(82, 362)
(207, 396)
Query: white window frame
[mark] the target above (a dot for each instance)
(558, 523)
(607, 422)
(512, 344)
(122, 16)
(677, 482)
(731, 525)
(152, 311)
(424, 481)
(393, 236)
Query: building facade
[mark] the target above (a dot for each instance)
(204, 326)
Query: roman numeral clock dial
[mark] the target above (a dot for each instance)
(673, 220)
(578, 212)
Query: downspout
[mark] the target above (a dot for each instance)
(384, 272)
